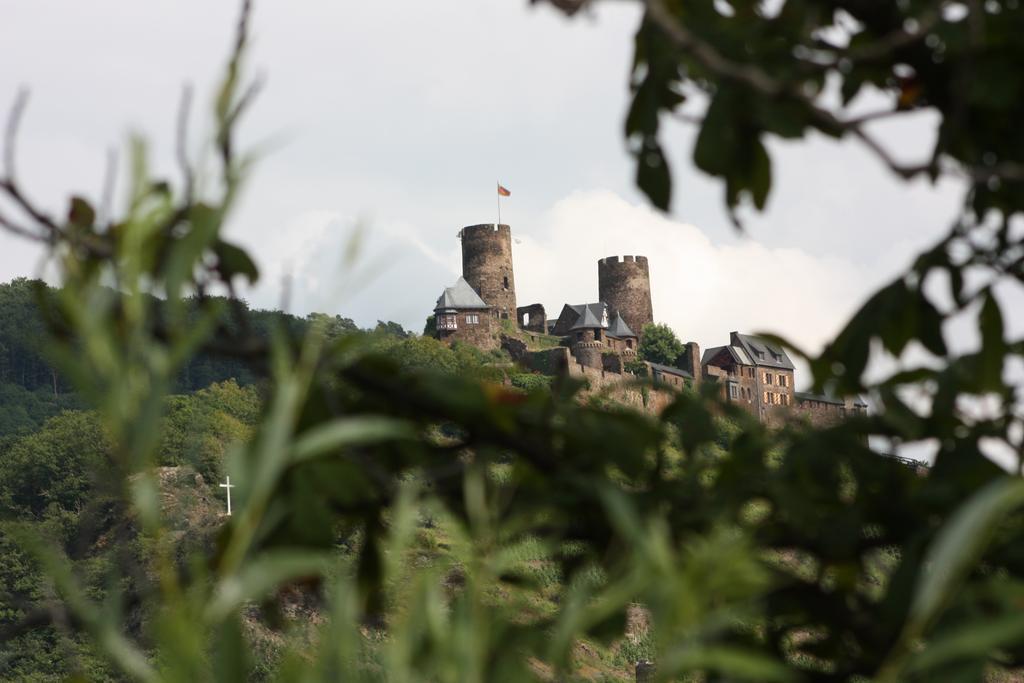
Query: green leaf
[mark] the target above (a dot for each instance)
(653, 175)
(233, 260)
(761, 175)
(717, 141)
(261, 575)
(732, 662)
(81, 213)
(349, 431)
(993, 344)
(974, 639)
(231, 656)
(958, 547)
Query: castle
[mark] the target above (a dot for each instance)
(598, 340)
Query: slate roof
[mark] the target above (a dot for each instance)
(588, 320)
(459, 295)
(669, 370)
(572, 315)
(737, 354)
(763, 353)
(619, 328)
(597, 310)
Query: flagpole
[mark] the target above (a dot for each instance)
(498, 183)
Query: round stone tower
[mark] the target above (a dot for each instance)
(487, 266)
(625, 285)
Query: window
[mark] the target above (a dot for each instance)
(579, 336)
(597, 335)
(629, 343)
(732, 391)
(472, 319)
(767, 378)
(506, 282)
(766, 399)
(447, 322)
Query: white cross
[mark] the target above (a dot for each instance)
(228, 485)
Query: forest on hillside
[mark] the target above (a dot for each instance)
(32, 388)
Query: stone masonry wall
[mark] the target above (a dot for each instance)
(625, 285)
(538, 320)
(487, 266)
(483, 334)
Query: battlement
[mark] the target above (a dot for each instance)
(612, 260)
(484, 230)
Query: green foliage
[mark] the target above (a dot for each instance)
(392, 328)
(659, 344)
(760, 554)
(23, 411)
(54, 468)
(636, 367)
(199, 428)
(530, 382)
(746, 73)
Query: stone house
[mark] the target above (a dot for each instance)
(677, 378)
(759, 376)
(754, 373)
(461, 315)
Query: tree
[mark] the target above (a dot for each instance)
(53, 468)
(659, 344)
(392, 328)
(334, 326)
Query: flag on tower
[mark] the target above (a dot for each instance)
(503, 192)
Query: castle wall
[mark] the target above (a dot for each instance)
(537, 318)
(621, 388)
(625, 285)
(487, 266)
(824, 413)
(692, 361)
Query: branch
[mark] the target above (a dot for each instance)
(708, 55)
(109, 183)
(896, 40)
(21, 231)
(184, 108)
(11, 131)
(759, 80)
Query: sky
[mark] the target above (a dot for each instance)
(386, 126)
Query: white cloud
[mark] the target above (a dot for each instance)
(701, 289)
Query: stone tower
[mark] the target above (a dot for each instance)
(625, 285)
(487, 266)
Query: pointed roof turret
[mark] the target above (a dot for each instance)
(588, 320)
(619, 328)
(460, 295)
